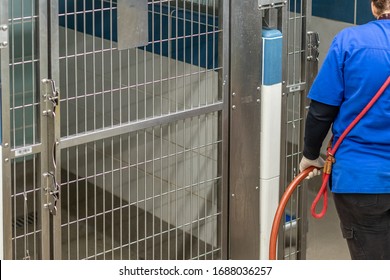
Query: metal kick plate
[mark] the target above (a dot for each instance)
(132, 24)
(266, 4)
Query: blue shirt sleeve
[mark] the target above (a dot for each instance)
(328, 87)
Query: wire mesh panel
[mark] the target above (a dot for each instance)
(24, 60)
(26, 204)
(292, 127)
(150, 194)
(141, 133)
(102, 87)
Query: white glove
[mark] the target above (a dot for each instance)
(305, 163)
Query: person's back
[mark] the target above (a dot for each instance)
(357, 65)
(361, 56)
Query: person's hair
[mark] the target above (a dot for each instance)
(382, 5)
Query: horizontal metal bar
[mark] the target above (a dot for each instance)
(80, 139)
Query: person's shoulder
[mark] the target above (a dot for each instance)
(368, 28)
(350, 34)
(355, 30)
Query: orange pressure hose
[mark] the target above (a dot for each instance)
(327, 170)
(280, 210)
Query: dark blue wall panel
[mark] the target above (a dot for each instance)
(363, 13)
(341, 10)
(344, 10)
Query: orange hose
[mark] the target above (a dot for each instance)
(282, 205)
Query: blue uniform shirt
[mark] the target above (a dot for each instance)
(357, 64)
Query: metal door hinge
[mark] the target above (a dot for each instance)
(51, 95)
(3, 36)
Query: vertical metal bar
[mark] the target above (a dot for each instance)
(77, 190)
(286, 79)
(185, 189)
(111, 67)
(129, 189)
(223, 126)
(191, 184)
(86, 121)
(174, 15)
(86, 209)
(35, 82)
(6, 213)
(169, 55)
(169, 191)
(104, 211)
(68, 202)
(44, 120)
(199, 57)
(95, 198)
(303, 226)
(205, 183)
(94, 71)
(53, 66)
(75, 72)
(137, 195)
(177, 185)
(23, 22)
(161, 192)
(35, 203)
(145, 195)
(112, 197)
(153, 191)
(198, 188)
(121, 207)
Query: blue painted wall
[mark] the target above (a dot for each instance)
(363, 12)
(343, 10)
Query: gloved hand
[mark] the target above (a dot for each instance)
(305, 163)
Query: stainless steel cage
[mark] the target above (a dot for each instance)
(115, 153)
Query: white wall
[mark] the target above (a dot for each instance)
(327, 29)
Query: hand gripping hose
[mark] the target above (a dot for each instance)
(325, 178)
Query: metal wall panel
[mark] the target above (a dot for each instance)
(246, 24)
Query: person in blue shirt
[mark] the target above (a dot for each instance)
(356, 66)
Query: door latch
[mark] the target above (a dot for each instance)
(52, 192)
(52, 97)
(313, 43)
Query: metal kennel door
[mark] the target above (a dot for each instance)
(108, 153)
(141, 155)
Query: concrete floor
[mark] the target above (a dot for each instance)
(324, 239)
